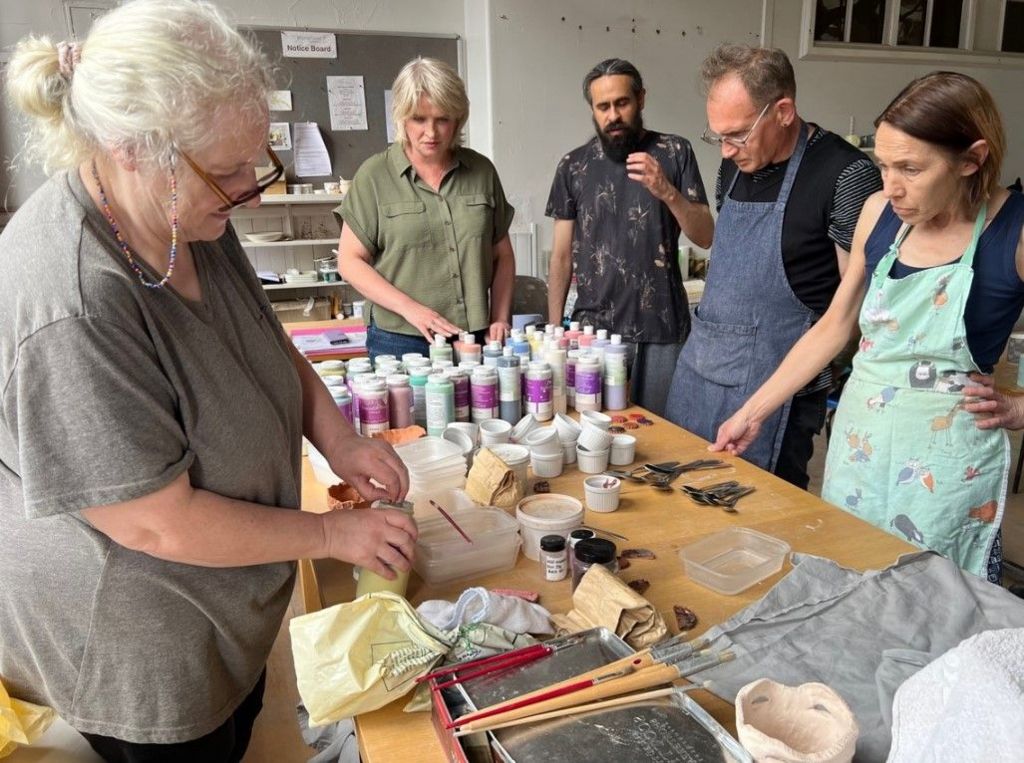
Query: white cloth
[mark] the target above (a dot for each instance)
(478, 605)
(967, 705)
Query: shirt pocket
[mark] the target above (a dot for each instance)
(723, 352)
(404, 224)
(475, 216)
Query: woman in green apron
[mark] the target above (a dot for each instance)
(936, 282)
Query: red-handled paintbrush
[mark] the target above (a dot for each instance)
(451, 521)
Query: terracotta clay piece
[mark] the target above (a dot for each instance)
(638, 553)
(543, 486)
(639, 585)
(623, 563)
(685, 618)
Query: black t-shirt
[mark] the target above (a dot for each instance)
(831, 186)
(625, 242)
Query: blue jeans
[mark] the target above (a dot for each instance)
(381, 342)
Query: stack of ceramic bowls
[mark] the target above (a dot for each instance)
(525, 425)
(594, 442)
(434, 464)
(545, 451)
(568, 434)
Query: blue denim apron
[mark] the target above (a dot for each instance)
(904, 456)
(747, 321)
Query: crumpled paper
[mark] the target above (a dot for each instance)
(491, 482)
(21, 723)
(601, 599)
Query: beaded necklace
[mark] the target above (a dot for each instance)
(124, 244)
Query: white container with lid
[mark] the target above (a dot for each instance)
(546, 514)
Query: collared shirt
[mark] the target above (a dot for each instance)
(435, 246)
(625, 242)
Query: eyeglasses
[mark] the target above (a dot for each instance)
(715, 139)
(262, 184)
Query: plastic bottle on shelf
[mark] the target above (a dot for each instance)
(615, 397)
(483, 392)
(588, 383)
(586, 338)
(383, 360)
(570, 378)
(330, 368)
(491, 353)
(418, 381)
(440, 394)
(471, 349)
(538, 390)
(400, 405)
(408, 359)
(343, 399)
(510, 389)
(573, 335)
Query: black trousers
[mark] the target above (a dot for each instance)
(806, 419)
(225, 744)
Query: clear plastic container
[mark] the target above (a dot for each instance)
(442, 554)
(730, 561)
(427, 451)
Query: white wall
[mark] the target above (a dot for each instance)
(524, 66)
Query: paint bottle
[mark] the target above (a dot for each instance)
(354, 380)
(330, 368)
(536, 340)
(383, 360)
(561, 338)
(418, 381)
(510, 388)
(538, 390)
(588, 383)
(600, 342)
(441, 365)
(460, 384)
(483, 393)
(440, 393)
(491, 353)
(400, 403)
(343, 399)
(409, 358)
(371, 582)
(521, 347)
(471, 349)
(615, 398)
(573, 335)
(586, 338)
(372, 396)
(556, 358)
(553, 557)
(440, 349)
(388, 367)
(570, 378)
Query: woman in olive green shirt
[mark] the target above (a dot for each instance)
(425, 235)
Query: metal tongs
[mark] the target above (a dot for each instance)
(722, 494)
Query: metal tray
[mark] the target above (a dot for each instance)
(673, 728)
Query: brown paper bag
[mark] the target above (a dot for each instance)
(491, 482)
(601, 599)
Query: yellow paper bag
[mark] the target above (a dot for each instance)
(21, 722)
(356, 657)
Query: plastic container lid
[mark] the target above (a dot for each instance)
(732, 560)
(552, 543)
(594, 551)
(511, 454)
(427, 451)
(546, 514)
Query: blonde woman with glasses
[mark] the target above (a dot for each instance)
(152, 406)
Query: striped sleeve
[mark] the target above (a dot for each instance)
(859, 180)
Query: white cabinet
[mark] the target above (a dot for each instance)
(308, 232)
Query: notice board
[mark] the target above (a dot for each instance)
(376, 57)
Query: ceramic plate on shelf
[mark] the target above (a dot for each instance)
(265, 237)
(308, 276)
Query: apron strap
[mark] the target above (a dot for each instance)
(979, 226)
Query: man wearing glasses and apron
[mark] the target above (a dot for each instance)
(789, 194)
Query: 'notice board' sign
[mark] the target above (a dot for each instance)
(309, 45)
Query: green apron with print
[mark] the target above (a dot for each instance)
(904, 454)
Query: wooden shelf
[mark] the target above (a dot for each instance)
(270, 199)
(246, 244)
(317, 285)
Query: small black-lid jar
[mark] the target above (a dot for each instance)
(593, 551)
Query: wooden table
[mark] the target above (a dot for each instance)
(663, 522)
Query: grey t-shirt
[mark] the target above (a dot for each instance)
(109, 391)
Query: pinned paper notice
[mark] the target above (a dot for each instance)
(311, 158)
(279, 136)
(309, 45)
(279, 100)
(347, 101)
(389, 101)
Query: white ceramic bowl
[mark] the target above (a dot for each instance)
(594, 439)
(596, 418)
(494, 431)
(523, 427)
(623, 450)
(468, 427)
(546, 465)
(569, 452)
(460, 438)
(543, 441)
(568, 430)
(602, 493)
(591, 461)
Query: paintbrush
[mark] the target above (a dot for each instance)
(579, 709)
(451, 521)
(602, 687)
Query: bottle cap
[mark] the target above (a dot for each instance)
(552, 543)
(397, 380)
(439, 340)
(595, 551)
(588, 329)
